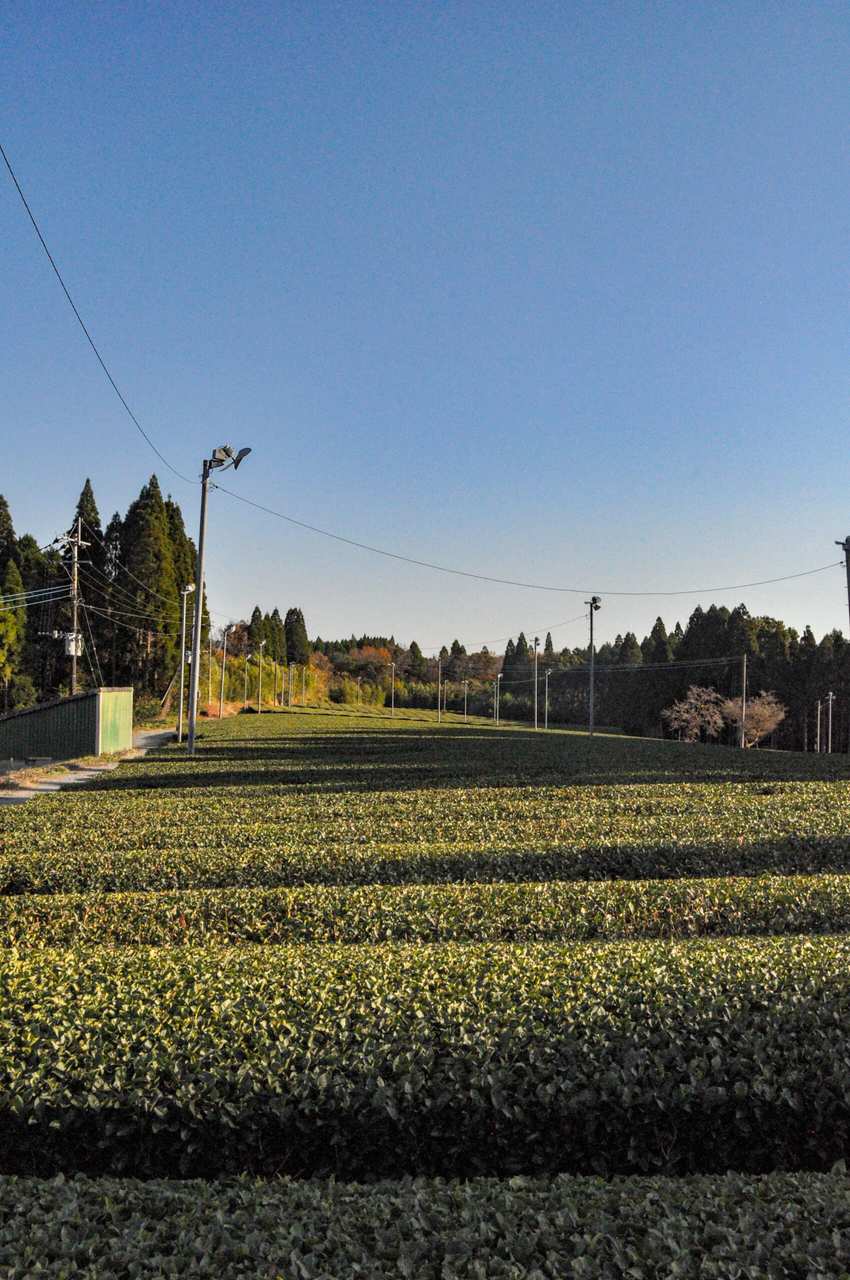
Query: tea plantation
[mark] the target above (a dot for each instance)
(357, 996)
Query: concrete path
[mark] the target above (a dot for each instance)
(144, 740)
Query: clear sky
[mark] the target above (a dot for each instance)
(551, 291)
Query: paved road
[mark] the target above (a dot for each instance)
(143, 740)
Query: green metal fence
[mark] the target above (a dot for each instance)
(89, 724)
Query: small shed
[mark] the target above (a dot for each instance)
(93, 723)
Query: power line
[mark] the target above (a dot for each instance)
(82, 325)
(425, 564)
(511, 582)
(142, 631)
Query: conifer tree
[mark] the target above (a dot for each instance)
(151, 649)
(278, 642)
(417, 665)
(297, 644)
(548, 647)
(508, 660)
(8, 543)
(13, 622)
(256, 631)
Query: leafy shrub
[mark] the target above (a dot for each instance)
(696, 1228)
(456, 1059)
(558, 911)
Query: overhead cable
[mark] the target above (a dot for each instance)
(84, 328)
(513, 582)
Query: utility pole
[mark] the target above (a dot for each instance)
(209, 670)
(594, 603)
(260, 678)
(743, 741)
(222, 457)
(223, 667)
(439, 689)
(830, 698)
(465, 699)
(546, 699)
(73, 643)
(817, 747)
(185, 593)
(845, 547)
(536, 646)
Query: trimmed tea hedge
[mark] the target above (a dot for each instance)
(577, 910)
(120, 842)
(717, 1228)
(453, 1059)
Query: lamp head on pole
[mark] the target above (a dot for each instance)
(225, 456)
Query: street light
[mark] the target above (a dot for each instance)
(228, 628)
(392, 689)
(185, 593)
(439, 689)
(499, 696)
(594, 603)
(546, 699)
(248, 657)
(221, 459)
(260, 679)
(465, 696)
(536, 646)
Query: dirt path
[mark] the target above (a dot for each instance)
(21, 784)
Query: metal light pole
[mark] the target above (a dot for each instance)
(499, 697)
(817, 747)
(536, 646)
(594, 603)
(185, 593)
(304, 685)
(845, 547)
(260, 678)
(289, 687)
(743, 742)
(465, 699)
(245, 697)
(830, 698)
(221, 458)
(392, 689)
(546, 698)
(439, 689)
(223, 668)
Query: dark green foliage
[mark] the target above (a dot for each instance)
(469, 912)
(256, 629)
(452, 1060)
(297, 644)
(151, 651)
(704, 1228)
(8, 542)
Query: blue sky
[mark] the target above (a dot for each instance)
(555, 292)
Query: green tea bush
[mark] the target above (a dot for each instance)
(453, 1059)
(557, 911)
(705, 1228)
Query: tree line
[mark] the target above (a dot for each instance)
(133, 570)
(131, 575)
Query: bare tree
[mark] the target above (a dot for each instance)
(764, 714)
(699, 714)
